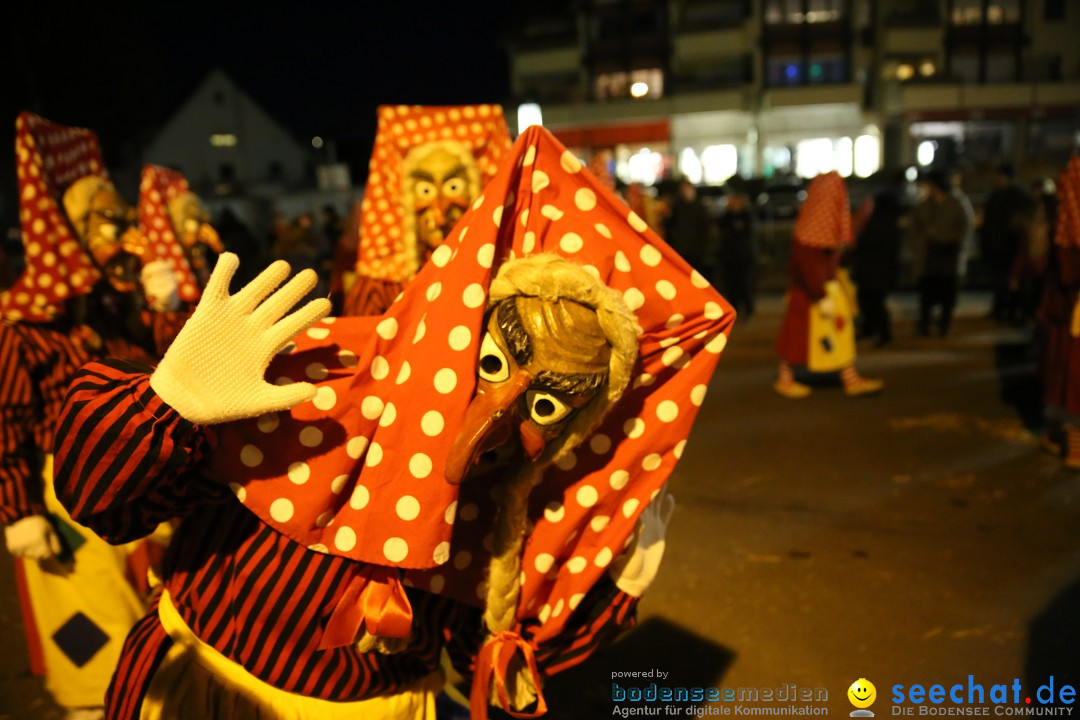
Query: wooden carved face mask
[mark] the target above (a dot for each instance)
(104, 222)
(441, 180)
(540, 362)
(192, 225)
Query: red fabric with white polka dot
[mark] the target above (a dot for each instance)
(358, 471)
(482, 129)
(825, 216)
(48, 158)
(158, 187)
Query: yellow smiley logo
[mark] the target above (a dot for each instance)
(862, 693)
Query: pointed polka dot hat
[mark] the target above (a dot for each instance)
(158, 187)
(48, 159)
(385, 251)
(358, 471)
(1068, 228)
(824, 219)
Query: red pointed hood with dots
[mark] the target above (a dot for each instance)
(159, 186)
(48, 159)
(358, 471)
(387, 248)
(825, 216)
(1068, 228)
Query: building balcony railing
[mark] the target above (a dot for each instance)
(948, 96)
(682, 85)
(554, 41)
(927, 17)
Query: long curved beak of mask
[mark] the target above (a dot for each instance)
(209, 237)
(490, 422)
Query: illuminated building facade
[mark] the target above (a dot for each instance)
(716, 88)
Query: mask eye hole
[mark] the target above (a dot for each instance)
(454, 186)
(545, 408)
(424, 190)
(493, 364)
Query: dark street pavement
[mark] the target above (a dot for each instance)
(917, 537)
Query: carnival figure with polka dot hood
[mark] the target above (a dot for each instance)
(478, 473)
(427, 166)
(818, 332)
(177, 228)
(91, 287)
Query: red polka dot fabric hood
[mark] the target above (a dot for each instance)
(825, 216)
(386, 251)
(48, 159)
(1068, 229)
(158, 187)
(358, 471)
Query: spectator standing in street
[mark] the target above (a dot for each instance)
(1029, 269)
(1001, 237)
(877, 266)
(938, 227)
(738, 254)
(688, 229)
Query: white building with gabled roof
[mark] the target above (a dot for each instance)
(224, 142)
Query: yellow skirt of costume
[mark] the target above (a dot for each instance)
(83, 607)
(832, 337)
(196, 682)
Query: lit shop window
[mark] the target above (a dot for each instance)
(719, 163)
(924, 154)
(813, 157)
(843, 156)
(867, 155)
(635, 84)
(690, 166)
(776, 159)
(821, 155)
(645, 166)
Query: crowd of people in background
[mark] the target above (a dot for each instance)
(927, 244)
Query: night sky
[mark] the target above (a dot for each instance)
(318, 68)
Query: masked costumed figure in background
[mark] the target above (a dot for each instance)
(818, 332)
(428, 164)
(1059, 325)
(177, 226)
(463, 474)
(82, 266)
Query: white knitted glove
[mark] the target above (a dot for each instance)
(160, 286)
(827, 306)
(214, 371)
(32, 537)
(636, 568)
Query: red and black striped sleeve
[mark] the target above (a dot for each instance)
(20, 491)
(125, 460)
(602, 615)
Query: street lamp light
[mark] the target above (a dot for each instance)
(639, 89)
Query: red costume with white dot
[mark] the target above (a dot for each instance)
(334, 516)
